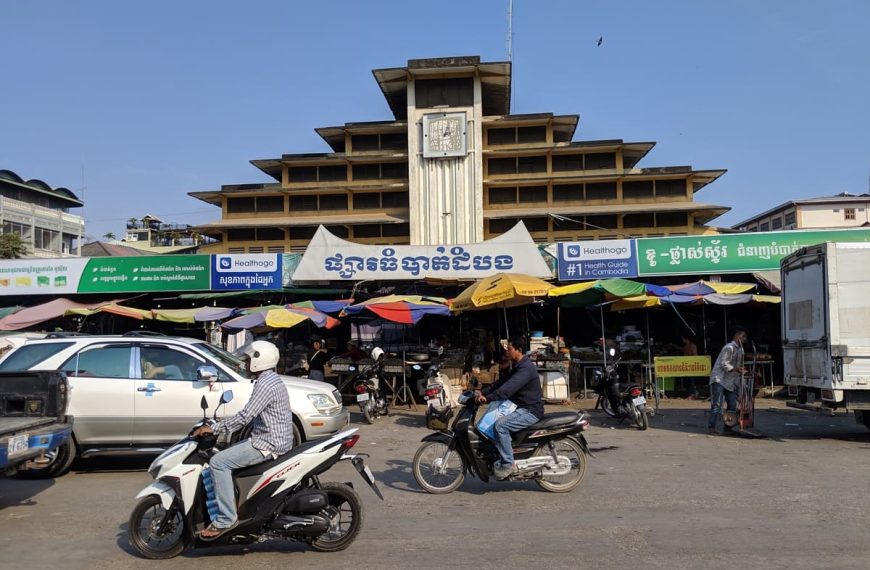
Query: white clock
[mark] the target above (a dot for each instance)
(444, 135)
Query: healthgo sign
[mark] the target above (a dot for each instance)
(246, 271)
(603, 259)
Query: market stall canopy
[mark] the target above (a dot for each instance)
(501, 290)
(279, 318)
(113, 309)
(328, 307)
(646, 301)
(205, 314)
(40, 313)
(175, 315)
(707, 287)
(594, 292)
(407, 309)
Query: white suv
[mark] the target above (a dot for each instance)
(139, 394)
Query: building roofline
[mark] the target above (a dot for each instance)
(839, 198)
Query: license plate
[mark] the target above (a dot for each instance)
(368, 475)
(640, 400)
(362, 397)
(18, 444)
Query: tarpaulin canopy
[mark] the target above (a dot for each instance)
(175, 315)
(407, 309)
(707, 287)
(113, 309)
(40, 313)
(205, 314)
(646, 301)
(500, 291)
(594, 292)
(6, 311)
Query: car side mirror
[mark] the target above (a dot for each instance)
(206, 373)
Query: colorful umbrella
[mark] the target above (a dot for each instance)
(328, 307)
(407, 309)
(501, 290)
(205, 314)
(113, 309)
(707, 287)
(279, 318)
(595, 292)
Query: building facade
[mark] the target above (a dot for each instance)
(843, 210)
(40, 214)
(455, 166)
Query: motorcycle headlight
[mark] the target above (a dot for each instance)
(323, 403)
(154, 468)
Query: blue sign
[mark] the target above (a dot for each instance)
(603, 259)
(242, 272)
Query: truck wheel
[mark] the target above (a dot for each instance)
(60, 461)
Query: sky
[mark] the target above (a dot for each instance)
(134, 104)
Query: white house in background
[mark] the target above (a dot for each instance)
(41, 215)
(841, 211)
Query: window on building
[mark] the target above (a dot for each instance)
(394, 170)
(303, 203)
(333, 202)
(394, 141)
(848, 213)
(671, 219)
(394, 200)
(764, 227)
(270, 203)
(501, 166)
(752, 229)
(776, 223)
(501, 136)
(301, 232)
(607, 222)
(638, 221)
(531, 164)
(567, 162)
(671, 187)
(395, 230)
(503, 195)
(241, 205)
(532, 134)
(361, 143)
(600, 160)
(638, 189)
(340, 231)
(275, 249)
(368, 201)
(334, 173)
(366, 171)
(538, 224)
(367, 231)
(575, 223)
(241, 234)
(502, 225)
(24, 230)
(270, 234)
(302, 174)
(601, 191)
(453, 92)
(533, 194)
(567, 192)
(46, 239)
(790, 218)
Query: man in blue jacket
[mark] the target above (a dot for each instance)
(522, 387)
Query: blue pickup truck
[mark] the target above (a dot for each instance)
(33, 419)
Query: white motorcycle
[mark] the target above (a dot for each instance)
(281, 498)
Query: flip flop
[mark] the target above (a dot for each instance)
(217, 530)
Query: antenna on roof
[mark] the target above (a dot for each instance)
(510, 32)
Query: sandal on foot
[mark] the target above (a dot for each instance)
(212, 532)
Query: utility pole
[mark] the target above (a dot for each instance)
(510, 33)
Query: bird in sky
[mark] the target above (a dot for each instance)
(600, 41)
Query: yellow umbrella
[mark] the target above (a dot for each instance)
(500, 290)
(283, 319)
(175, 315)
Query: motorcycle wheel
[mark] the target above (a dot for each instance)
(606, 407)
(368, 410)
(142, 530)
(427, 461)
(640, 419)
(346, 518)
(567, 482)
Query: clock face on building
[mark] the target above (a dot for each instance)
(443, 135)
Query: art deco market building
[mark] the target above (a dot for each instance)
(454, 166)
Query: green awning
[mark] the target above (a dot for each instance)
(290, 291)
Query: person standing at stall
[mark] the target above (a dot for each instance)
(316, 359)
(725, 377)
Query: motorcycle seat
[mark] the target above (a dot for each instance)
(556, 419)
(260, 468)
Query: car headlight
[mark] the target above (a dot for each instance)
(323, 402)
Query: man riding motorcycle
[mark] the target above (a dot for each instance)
(522, 386)
(271, 420)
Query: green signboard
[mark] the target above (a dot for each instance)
(146, 273)
(730, 253)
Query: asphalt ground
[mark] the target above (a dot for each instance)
(669, 497)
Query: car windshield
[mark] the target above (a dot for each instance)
(237, 365)
(29, 355)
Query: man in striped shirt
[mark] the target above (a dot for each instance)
(268, 411)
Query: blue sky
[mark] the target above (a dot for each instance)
(155, 99)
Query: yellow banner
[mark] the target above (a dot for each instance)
(682, 366)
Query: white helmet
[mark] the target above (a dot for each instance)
(377, 353)
(263, 354)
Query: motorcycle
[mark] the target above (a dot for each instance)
(281, 498)
(552, 453)
(439, 408)
(370, 388)
(620, 400)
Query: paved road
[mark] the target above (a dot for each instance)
(666, 498)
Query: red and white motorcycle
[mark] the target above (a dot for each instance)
(282, 498)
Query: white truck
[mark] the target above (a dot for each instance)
(826, 328)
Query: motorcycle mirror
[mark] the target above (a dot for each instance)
(203, 404)
(612, 352)
(416, 367)
(226, 397)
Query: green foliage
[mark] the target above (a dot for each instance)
(12, 246)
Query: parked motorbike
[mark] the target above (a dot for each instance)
(552, 452)
(439, 408)
(281, 498)
(620, 400)
(370, 388)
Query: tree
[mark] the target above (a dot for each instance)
(109, 236)
(133, 223)
(12, 246)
